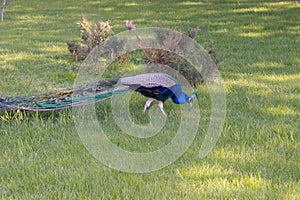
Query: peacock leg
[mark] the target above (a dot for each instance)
(161, 106)
(148, 103)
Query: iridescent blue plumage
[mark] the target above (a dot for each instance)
(156, 86)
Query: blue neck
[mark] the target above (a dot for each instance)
(180, 99)
(178, 96)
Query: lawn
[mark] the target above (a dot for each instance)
(257, 155)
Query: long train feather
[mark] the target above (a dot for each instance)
(86, 94)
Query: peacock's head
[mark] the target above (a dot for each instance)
(184, 98)
(190, 99)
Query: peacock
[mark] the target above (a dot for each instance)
(155, 86)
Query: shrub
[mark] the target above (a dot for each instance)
(179, 46)
(92, 35)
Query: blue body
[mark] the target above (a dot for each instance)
(162, 93)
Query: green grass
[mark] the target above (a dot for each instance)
(257, 155)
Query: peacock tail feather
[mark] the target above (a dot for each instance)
(86, 94)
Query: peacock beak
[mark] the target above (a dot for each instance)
(190, 101)
(191, 98)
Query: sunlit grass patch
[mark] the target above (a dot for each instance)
(255, 34)
(293, 78)
(282, 110)
(263, 65)
(254, 9)
(190, 3)
(131, 4)
(282, 4)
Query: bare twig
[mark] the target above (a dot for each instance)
(4, 5)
